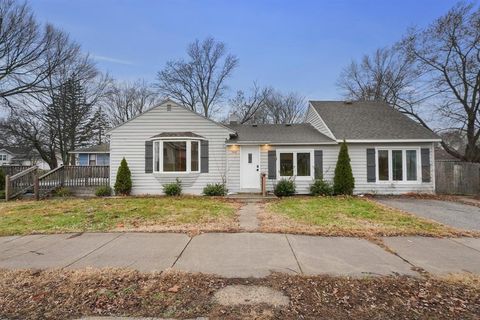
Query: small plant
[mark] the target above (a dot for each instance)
(343, 182)
(103, 191)
(123, 183)
(215, 189)
(285, 188)
(2, 180)
(321, 188)
(62, 192)
(173, 189)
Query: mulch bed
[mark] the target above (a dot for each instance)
(70, 294)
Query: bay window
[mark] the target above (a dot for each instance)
(295, 163)
(174, 156)
(397, 165)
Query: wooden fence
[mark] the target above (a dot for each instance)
(11, 170)
(455, 177)
(63, 176)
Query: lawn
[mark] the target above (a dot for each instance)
(189, 214)
(345, 216)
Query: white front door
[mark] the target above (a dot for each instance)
(250, 167)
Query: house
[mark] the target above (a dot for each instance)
(98, 155)
(390, 153)
(20, 156)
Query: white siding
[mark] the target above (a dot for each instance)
(129, 139)
(358, 156)
(316, 121)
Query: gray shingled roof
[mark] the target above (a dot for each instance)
(176, 135)
(366, 120)
(104, 147)
(278, 133)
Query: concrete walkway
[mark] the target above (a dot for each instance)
(241, 254)
(248, 215)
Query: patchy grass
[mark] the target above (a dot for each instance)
(190, 214)
(71, 294)
(346, 216)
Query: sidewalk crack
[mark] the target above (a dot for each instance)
(175, 262)
(463, 244)
(294, 255)
(89, 253)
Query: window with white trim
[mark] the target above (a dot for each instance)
(398, 165)
(295, 163)
(176, 156)
(3, 157)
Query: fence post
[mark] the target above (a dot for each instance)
(7, 186)
(36, 186)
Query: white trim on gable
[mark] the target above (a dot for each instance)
(161, 104)
(330, 133)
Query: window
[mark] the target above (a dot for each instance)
(294, 163)
(249, 158)
(397, 165)
(286, 164)
(92, 160)
(176, 156)
(303, 164)
(3, 157)
(383, 165)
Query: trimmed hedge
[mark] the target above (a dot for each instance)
(285, 188)
(103, 191)
(173, 189)
(321, 188)
(215, 189)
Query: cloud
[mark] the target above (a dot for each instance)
(112, 60)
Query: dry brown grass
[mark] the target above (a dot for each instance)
(66, 294)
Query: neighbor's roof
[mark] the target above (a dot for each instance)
(367, 120)
(278, 134)
(16, 150)
(176, 135)
(101, 148)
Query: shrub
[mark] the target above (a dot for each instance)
(62, 192)
(2, 180)
(215, 189)
(321, 188)
(103, 191)
(285, 188)
(123, 183)
(173, 189)
(343, 182)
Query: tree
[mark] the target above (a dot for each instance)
(127, 100)
(284, 108)
(343, 181)
(199, 82)
(249, 109)
(29, 52)
(100, 124)
(448, 52)
(123, 182)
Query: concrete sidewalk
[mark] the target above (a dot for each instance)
(241, 254)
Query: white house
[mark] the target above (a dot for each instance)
(19, 156)
(390, 153)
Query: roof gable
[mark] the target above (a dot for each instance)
(164, 104)
(369, 120)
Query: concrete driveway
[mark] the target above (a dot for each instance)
(453, 214)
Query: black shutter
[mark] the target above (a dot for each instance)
(272, 164)
(425, 152)
(148, 156)
(318, 164)
(204, 156)
(371, 165)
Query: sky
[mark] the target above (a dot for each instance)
(293, 46)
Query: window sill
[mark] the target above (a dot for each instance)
(179, 173)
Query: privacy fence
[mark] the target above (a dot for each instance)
(455, 177)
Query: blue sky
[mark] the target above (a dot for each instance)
(291, 45)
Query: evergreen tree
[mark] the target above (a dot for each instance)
(99, 126)
(123, 183)
(343, 182)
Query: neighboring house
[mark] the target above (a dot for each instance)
(390, 153)
(18, 156)
(98, 155)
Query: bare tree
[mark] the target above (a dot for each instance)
(29, 52)
(284, 108)
(249, 108)
(199, 82)
(126, 100)
(448, 53)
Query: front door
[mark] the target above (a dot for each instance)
(250, 167)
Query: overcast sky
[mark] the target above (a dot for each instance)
(291, 45)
